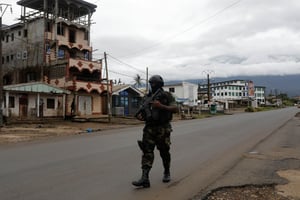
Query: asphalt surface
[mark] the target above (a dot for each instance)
(275, 161)
(265, 164)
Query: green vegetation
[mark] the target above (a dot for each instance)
(281, 100)
(259, 109)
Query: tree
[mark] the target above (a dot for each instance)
(137, 81)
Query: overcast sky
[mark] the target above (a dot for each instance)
(183, 40)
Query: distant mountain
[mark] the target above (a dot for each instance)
(287, 84)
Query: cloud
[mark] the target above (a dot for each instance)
(252, 37)
(227, 59)
(182, 39)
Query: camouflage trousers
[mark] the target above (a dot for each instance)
(159, 136)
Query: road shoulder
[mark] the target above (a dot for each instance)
(273, 166)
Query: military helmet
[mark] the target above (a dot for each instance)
(157, 79)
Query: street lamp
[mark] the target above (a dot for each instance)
(1, 70)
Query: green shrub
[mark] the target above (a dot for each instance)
(249, 109)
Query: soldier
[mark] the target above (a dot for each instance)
(157, 130)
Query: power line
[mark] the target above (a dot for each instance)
(119, 73)
(186, 30)
(96, 1)
(124, 63)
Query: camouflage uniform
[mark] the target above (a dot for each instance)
(157, 133)
(157, 129)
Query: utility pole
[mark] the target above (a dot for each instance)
(107, 85)
(147, 85)
(208, 88)
(208, 72)
(1, 67)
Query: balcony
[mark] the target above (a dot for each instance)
(85, 64)
(63, 40)
(77, 85)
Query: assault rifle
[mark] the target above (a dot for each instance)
(146, 109)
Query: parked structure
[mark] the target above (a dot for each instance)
(51, 44)
(234, 92)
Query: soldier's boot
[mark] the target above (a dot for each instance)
(144, 180)
(167, 176)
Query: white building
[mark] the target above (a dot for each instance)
(184, 92)
(237, 91)
(260, 95)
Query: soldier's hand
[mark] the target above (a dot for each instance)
(140, 117)
(156, 104)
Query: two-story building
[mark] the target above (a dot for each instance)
(51, 44)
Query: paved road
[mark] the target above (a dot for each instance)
(102, 165)
(273, 161)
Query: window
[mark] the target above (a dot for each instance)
(60, 29)
(48, 28)
(135, 102)
(31, 76)
(61, 53)
(11, 102)
(124, 101)
(25, 33)
(18, 55)
(116, 102)
(25, 55)
(124, 98)
(7, 59)
(57, 71)
(50, 103)
(12, 37)
(19, 33)
(11, 57)
(48, 49)
(72, 36)
(172, 90)
(86, 55)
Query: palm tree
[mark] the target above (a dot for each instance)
(137, 81)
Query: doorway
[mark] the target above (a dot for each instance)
(85, 105)
(23, 106)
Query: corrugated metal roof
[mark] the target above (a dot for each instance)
(119, 88)
(35, 87)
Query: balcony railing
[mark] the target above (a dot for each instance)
(76, 85)
(85, 64)
(63, 40)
